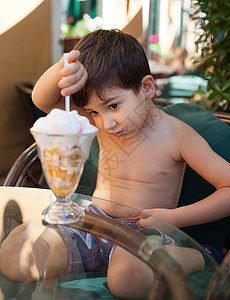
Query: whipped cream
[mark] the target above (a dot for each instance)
(61, 122)
(64, 131)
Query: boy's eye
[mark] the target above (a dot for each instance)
(113, 106)
(93, 112)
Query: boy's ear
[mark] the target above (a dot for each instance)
(148, 86)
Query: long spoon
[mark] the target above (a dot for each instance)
(67, 98)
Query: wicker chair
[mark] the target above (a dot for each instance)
(26, 170)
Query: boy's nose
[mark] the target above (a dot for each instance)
(108, 123)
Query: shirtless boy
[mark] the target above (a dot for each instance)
(110, 83)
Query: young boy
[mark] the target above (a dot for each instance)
(110, 83)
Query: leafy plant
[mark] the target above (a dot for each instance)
(213, 52)
(83, 27)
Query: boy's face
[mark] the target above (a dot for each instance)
(121, 113)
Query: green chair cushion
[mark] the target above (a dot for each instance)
(194, 188)
(97, 288)
(88, 288)
(88, 180)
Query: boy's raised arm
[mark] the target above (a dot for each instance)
(46, 94)
(59, 81)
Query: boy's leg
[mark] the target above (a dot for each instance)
(30, 250)
(129, 277)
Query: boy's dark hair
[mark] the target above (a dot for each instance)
(112, 59)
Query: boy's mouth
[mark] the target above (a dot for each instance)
(118, 133)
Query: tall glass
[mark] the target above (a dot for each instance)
(62, 158)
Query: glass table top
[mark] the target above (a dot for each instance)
(149, 246)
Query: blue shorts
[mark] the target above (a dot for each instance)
(90, 253)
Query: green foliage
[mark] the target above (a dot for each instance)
(213, 51)
(83, 27)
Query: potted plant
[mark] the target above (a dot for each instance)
(72, 33)
(213, 53)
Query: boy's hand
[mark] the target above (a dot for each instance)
(150, 217)
(73, 76)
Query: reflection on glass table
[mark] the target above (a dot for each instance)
(169, 278)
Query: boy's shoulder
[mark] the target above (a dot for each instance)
(174, 132)
(177, 126)
(171, 125)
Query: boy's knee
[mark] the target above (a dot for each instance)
(130, 284)
(119, 282)
(128, 277)
(29, 252)
(17, 260)
(10, 261)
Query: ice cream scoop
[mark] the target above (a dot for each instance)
(59, 121)
(68, 129)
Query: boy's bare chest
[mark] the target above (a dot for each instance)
(147, 176)
(144, 162)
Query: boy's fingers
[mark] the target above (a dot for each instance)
(73, 88)
(73, 56)
(73, 76)
(71, 69)
(143, 222)
(145, 213)
(71, 80)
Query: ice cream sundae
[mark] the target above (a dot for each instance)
(64, 140)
